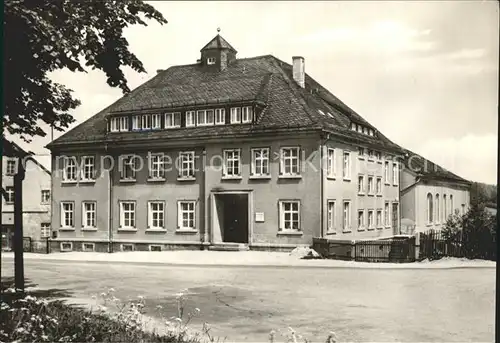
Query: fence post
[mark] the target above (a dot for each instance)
(47, 245)
(417, 246)
(353, 251)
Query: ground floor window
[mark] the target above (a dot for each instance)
(89, 214)
(186, 215)
(45, 230)
(67, 214)
(289, 215)
(331, 216)
(127, 214)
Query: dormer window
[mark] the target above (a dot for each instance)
(353, 126)
(211, 60)
(118, 124)
(136, 122)
(146, 121)
(247, 114)
(155, 121)
(205, 117)
(172, 120)
(235, 115)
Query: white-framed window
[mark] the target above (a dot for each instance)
(378, 155)
(128, 167)
(119, 124)
(330, 164)
(9, 195)
(365, 130)
(211, 60)
(290, 161)
(371, 188)
(361, 153)
(186, 164)
(346, 170)
(88, 168)
(235, 115)
(387, 218)
(89, 209)
(69, 171)
(66, 246)
(45, 196)
(156, 214)
(246, 114)
(114, 124)
(386, 173)
(452, 206)
(11, 166)
(156, 121)
(232, 163)
(331, 215)
(289, 215)
(127, 247)
(346, 215)
(353, 126)
(190, 118)
(127, 214)
(437, 209)
(88, 247)
(430, 208)
(361, 184)
(173, 120)
(379, 185)
(157, 166)
(136, 122)
(360, 128)
(361, 219)
(220, 116)
(205, 117)
(395, 173)
(186, 215)
(371, 154)
(67, 214)
(260, 162)
(379, 218)
(146, 121)
(45, 230)
(370, 219)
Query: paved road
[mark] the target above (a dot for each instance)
(245, 304)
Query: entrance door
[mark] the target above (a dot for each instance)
(395, 218)
(235, 218)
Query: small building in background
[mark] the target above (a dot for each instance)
(36, 197)
(430, 193)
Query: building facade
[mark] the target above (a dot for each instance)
(36, 197)
(248, 153)
(430, 194)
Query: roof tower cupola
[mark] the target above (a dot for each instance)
(218, 53)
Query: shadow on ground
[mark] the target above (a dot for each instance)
(30, 289)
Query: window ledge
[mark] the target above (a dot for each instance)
(379, 162)
(156, 179)
(371, 160)
(380, 227)
(87, 181)
(290, 233)
(68, 182)
(156, 230)
(127, 229)
(361, 229)
(290, 177)
(361, 193)
(89, 228)
(331, 233)
(127, 180)
(379, 195)
(371, 228)
(347, 179)
(346, 231)
(172, 127)
(371, 194)
(331, 177)
(231, 178)
(396, 185)
(361, 158)
(186, 178)
(188, 231)
(388, 227)
(259, 177)
(387, 183)
(66, 228)
(9, 203)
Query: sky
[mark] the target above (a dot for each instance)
(425, 74)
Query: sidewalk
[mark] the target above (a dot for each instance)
(241, 259)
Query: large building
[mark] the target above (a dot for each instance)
(36, 197)
(430, 194)
(226, 152)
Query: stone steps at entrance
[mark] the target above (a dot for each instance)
(228, 247)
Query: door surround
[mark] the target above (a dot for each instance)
(249, 194)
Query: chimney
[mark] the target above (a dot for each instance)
(299, 74)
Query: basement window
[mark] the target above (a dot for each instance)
(155, 247)
(127, 247)
(66, 246)
(88, 247)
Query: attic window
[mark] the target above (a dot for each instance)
(211, 60)
(330, 115)
(353, 126)
(321, 112)
(371, 133)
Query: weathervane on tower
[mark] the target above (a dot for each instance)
(218, 29)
